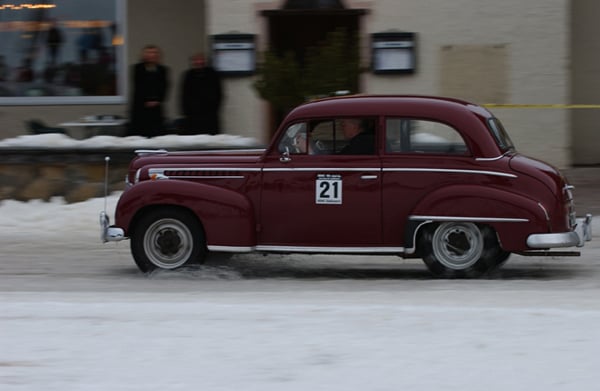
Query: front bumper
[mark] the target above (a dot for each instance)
(581, 234)
(108, 233)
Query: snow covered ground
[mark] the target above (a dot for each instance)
(76, 314)
(53, 141)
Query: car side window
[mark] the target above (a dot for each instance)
(345, 136)
(323, 136)
(407, 135)
(294, 139)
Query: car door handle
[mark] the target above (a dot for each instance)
(368, 177)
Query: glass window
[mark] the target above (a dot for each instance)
(345, 136)
(294, 139)
(325, 136)
(62, 51)
(422, 136)
(500, 135)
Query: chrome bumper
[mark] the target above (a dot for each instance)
(581, 234)
(108, 233)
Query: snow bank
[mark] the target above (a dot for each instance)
(61, 141)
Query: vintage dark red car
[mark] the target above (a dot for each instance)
(424, 177)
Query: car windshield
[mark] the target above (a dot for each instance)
(500, 134)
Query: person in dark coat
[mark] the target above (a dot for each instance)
(361, 141)
(150, 84)
(54, 40)
(201, 97)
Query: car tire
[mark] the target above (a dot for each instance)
(461, 249)
(167, 238)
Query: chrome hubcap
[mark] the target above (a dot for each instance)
(457, 246)
(168, 243)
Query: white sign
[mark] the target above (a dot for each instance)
(329, 189)
(393, 59)
(234, 60)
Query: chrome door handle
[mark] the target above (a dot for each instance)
(368, 177)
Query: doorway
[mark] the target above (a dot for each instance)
(296, 30)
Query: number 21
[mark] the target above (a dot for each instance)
(327, 188)
(329, 191)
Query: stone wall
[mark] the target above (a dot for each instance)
(74, 175)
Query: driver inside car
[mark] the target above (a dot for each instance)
(301, 143)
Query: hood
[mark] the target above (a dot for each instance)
(241, 157)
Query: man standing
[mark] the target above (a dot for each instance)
(150, 84)
(54, 40)
(201, 96)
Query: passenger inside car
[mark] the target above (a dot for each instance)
(360, 136)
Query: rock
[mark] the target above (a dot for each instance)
(84, 192)
(41, 188)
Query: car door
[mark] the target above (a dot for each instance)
(319, 199)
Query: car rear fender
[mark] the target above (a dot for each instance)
(513, 216)
(226, 216)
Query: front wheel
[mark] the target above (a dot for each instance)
(167, 239)
(461, 249)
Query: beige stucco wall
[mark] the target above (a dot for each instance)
(243, 111)
(178, 27)
(534, 36)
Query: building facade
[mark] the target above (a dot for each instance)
(177, 27)
(531, 61)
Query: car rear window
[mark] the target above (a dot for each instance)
(410, 135)
(500, 134)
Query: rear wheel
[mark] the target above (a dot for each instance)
(461, 249)
(167, 239)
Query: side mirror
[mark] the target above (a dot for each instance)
(285, 156)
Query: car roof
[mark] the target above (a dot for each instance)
(460, 114)
(374, 105)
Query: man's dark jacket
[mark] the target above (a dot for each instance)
(149, 84)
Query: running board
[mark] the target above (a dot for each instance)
(546, 253)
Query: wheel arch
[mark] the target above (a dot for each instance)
(512, 216)
(150, 208)
(226, 217)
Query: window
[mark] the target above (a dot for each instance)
(345, 136)
(294, 140)
(422, 136)
(500, 134)
(324, 133)
(62, 52)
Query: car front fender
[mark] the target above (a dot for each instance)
(227, 216)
